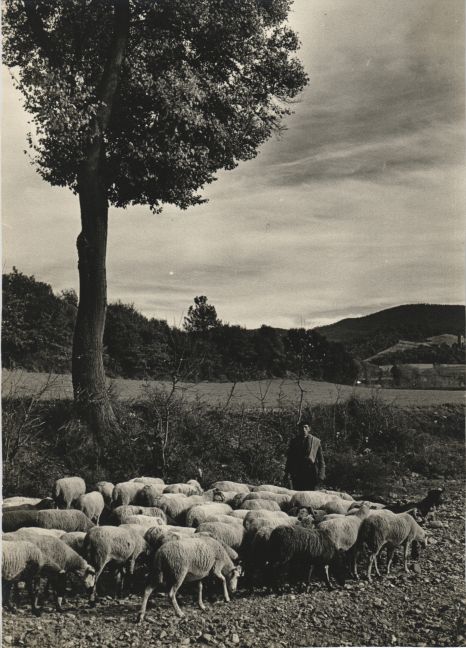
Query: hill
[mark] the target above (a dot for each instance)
(368, 335)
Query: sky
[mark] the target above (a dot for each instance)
(358, 206)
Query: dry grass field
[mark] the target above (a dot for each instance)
(266, 393)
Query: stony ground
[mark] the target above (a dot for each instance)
(425, 608)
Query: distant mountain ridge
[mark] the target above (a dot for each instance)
(370, 334)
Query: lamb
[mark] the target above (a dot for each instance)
(288, 544)
(91, 504)
(190, 559)
(197, 514)
(231, 535)
(58, 552)
(231, 486)
(105, 544)
(126, 492)
(105, 488)
(400, 529)
(260, 504)
(67, 490)
(22, 561)
(66, 520)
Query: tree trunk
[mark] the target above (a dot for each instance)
(90, 391)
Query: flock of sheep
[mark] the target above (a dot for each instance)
(176, 533)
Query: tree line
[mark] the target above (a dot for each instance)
(38, 333)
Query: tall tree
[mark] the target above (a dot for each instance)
(202, 317)
(142, 102)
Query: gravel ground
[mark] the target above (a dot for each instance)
(425, 608)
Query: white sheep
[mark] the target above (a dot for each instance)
(121, 513)
(105, 488)
(397, 530)
(148, 480)
(91, 504)
(340, 494)
(260, 504)
(67, 490)
(282, 499)
(186, 489)
(231, 535)
(190, 559)
(343, 531)
(56, 533)
(271, 488)
(147, 521)
(150, 494)
(126, 493)
(237, 487)
(75, 540)
(58, 552)
(197, 514)
(22, 561)
(226, 518)
(66, 520)
(27, 504)
(105, 544)
(310, 499)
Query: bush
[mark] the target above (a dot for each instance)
(368, 445)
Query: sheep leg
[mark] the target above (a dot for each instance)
(93, 592)
(327, 577)
(354, 564)
(369, 569)
(390, 554)
(219, 575)
(33, 590)
(407, 547)
(147, 592)
(173, 590)
(199, 596)
(6, 596)
(309, 576)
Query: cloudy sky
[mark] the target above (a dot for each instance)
(358, 206)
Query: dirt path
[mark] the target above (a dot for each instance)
(419, 609)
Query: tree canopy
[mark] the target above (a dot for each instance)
(201, 86)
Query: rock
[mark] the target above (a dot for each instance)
(436, 524)
(162, 634)
(185, 642)
(207, 638)
(8, 639)
(378, 602)
(235, 638)
(417, 568)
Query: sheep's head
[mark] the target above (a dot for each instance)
(232, 578)
(434, 497)
(218, 496)
(89, 577)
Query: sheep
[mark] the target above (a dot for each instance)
(186, 489)
(146, 521)
(239, 513)
(338, 505)
(343, 532)
(195, 484)
(282, 499)
(231, 535)
(315, 499)
(288, 544)
(149, 495)
(231, 486)
(75, 540)
(68, 560)
(27, 504)
(263, 513)
(154, 535)
(271, 488)
(177, 505)
(148, 480)
(121, 513)
(260, 504)
(105, 544)
(198, 513)
(91, 504)
(67, 490)
(126, 492)
(340, 494)
(226, 518)
(400, 529)
(190, 559)
(22, 561)
(105, 488)
(56, 533)
(66, 520)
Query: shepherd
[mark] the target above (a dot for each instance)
(305, 466)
